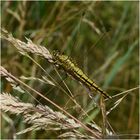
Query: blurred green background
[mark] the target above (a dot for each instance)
(102, 37)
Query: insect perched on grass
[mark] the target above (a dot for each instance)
(65, 63)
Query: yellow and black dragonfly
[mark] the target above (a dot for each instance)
(65, 63)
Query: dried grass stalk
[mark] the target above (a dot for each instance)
(40, 117)
(75, 135)
(4, 72)
(27, 47)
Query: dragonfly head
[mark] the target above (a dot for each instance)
(59, 57)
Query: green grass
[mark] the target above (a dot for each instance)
(75, 29)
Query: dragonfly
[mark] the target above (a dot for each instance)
(66, 63)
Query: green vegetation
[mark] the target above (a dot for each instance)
(101, 37)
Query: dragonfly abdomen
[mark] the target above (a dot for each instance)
(91, 85)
